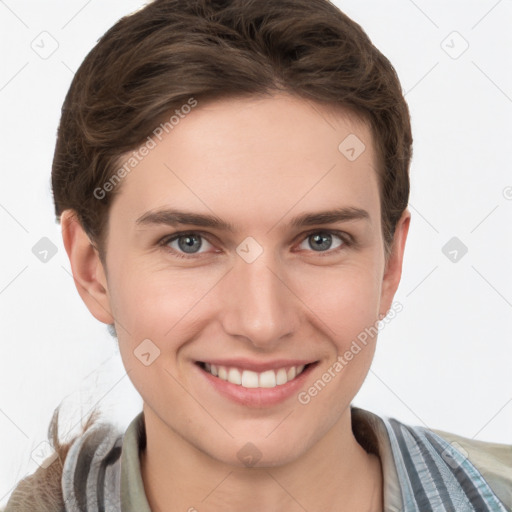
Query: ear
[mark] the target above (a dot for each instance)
(393, 269)
(88, 272)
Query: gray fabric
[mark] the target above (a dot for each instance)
(91, 477)
(434, 476)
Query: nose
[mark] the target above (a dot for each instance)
(258, 303)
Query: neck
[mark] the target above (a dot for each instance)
(335, 474)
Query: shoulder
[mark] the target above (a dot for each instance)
(432, 468)
(41, 491)
(492, 460)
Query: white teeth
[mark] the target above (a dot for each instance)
(268, 379)
(281, 377)
(234, 376)
(250, 379)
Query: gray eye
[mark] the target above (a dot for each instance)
(182, 244)
(321, 241)
(189, 243)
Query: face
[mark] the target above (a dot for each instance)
(258, 284)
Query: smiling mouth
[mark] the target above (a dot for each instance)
(251, 379)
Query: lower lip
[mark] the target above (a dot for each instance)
(257, 397)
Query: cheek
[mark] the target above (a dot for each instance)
(153, 312)
(346, 311)
(342, 302)
(152, 302)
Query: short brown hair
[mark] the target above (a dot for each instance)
(153, 61)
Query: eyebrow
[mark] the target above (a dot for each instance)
(172, 217)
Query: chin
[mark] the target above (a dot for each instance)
(257, 453)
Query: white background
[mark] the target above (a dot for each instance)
(444, 361)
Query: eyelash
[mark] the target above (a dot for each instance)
(347, 240)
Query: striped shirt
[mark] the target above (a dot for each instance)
(424, 470)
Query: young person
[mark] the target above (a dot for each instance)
(232, 182)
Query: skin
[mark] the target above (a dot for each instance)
(255, 163)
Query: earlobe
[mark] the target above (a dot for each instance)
(393, 270)
(87, 268)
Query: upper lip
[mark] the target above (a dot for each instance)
(257, 366)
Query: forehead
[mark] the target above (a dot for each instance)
(246, 156)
